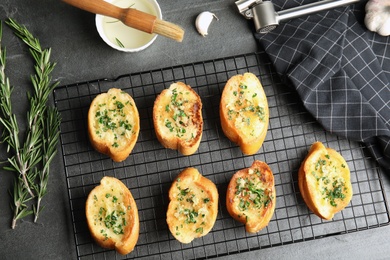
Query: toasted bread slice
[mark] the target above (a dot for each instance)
(113, 124)
(193, 206)
(112, 216)
(251, 196)
(244, 112)
(324, 181)
(177, 118)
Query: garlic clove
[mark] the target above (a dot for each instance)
(377, 18)
(203, 21)
(384, 30)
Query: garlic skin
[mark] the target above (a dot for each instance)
(377, 18)
(203, 21)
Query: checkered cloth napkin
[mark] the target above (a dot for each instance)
(340, 70)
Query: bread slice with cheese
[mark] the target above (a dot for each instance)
(244, 112)
(177, 118)
(193, 206)
(324, 181)
(112, 216)
(113, 124)
(251, 196)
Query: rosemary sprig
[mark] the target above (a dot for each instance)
(22, 192)
(30, 160)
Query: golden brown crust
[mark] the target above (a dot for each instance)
(177, 118)
(244, 112)
(324, 181)
(193, 206)
(113, 124)
(112, 216)
(251, 196)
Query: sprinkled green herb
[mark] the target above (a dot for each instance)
(244, 204)
(242, 86)
(168, 124)
(245, 105)
(184, 192)
(335, 193)
(199, 230)
(250, 193)
(119, 104)
(180, 118)
(319, 163)
(120, 44)
(191, 216)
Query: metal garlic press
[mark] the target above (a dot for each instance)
(266, 18)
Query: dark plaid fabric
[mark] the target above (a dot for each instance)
(340, 70)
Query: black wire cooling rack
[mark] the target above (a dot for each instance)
(150, 168)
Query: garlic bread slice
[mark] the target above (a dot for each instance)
(244, 112)
(112, 216)
(113, 124)
(324, 181)
(251, 196)
(177, 118)
(193, 206)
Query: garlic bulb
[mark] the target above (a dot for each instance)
(377, 17)
(203, 22)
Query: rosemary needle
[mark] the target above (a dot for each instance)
(32, 157)
(120, 44)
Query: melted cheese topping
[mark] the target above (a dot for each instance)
(110, 213)
(328, 180)
(192, 209)
(245, 108)
(114, 120)
(252, 194)
(178, 112)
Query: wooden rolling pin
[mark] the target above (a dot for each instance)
(131, 17)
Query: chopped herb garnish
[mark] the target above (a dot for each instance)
(199, 230)
(120, 44)
(119, 104)
(250, 193)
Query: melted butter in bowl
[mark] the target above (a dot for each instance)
(124, 38)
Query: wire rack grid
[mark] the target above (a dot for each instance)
(150, 168)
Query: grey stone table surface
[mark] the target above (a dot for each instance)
(81, 55)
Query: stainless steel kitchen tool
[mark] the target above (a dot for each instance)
(266, 18)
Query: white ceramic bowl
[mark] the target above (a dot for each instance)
(121, 37)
